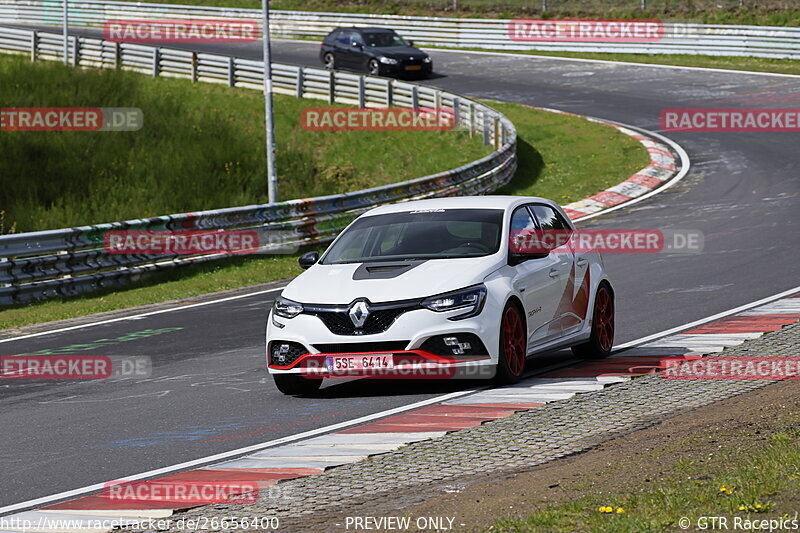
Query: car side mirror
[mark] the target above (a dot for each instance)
(515, 259)
(527, 244)
(410, 43)
(357, 45)
(308, 259)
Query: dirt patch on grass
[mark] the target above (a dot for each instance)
(690, 446)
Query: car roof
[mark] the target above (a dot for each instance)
(460, 202)
(373, 30)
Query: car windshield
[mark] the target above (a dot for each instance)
(383, 40)
(422, 234)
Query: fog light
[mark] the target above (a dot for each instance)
(457, 347)
(279, 352)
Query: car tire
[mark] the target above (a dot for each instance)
(513, 345)
(329, 61)
(292, 384)
(601, 340)
(373, 67)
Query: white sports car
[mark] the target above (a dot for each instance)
(440, 288)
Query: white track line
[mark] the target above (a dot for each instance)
(142, 315)
(723, 314)
(609, 62)
(534, 55)
(232, 453)
(300, 436)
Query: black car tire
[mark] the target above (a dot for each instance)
(329, 61)
(374, 67)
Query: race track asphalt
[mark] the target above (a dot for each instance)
(209, 391)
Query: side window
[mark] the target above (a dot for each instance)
(549, 218)
(333, 36)
(522, 220)
(343, 38)
(521, 229)
(355, 37)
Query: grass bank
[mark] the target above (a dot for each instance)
(743, 472)
(201, 147)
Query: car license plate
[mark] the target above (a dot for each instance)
(359, 362)
(414, 67)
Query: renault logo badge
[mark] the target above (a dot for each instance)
(359, 312)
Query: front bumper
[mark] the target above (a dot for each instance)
(413, 338)
(400, 70)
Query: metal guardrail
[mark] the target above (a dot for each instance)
(705, 39)
(65, 262)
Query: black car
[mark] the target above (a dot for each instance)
(378, 51)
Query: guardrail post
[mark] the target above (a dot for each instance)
(456, 111)
(362, 92)
(231, 72)
(301, 78)
(117, 56)
(472, 125)
(156, 61)
(34, 44)
(331, 87)
(498, 139)
(389, 93)
(194, 67)
(437, 100)
(75, 52)
(414, 97)
(487, 133)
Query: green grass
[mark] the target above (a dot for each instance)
(755, 478)
(567, 158)
(180, 283)
(560, 157)
(201, 147)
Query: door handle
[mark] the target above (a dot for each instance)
(553, 273)
(580, 262)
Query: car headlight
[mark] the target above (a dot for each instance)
(286, 308)
(388, 60)
(470, 299)
(427, 59)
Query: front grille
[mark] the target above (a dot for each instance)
(378, 322)
(382, 315)
(362, 347)
(415, 61)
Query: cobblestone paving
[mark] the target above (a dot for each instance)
(526, 439)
